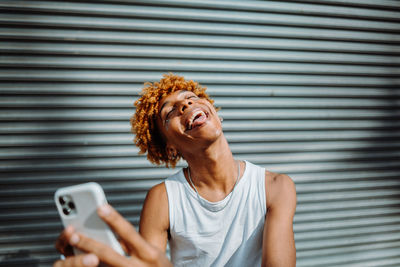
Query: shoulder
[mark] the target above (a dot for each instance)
(155, 205)
(157, 190)
(157, 195)
(280, 191)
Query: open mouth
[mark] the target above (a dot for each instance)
(196, 119)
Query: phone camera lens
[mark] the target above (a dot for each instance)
(66, 211)
(62, 200)
(71, 205)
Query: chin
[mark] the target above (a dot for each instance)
(214, 134)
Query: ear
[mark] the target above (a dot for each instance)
(172, 152)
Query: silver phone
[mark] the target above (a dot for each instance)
(77, 206)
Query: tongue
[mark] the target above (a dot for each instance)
(199, 120)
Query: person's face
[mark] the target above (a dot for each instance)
(187, 120)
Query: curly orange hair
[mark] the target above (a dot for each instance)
(148, 138)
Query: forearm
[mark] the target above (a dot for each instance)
(285, 257)
(279, 249)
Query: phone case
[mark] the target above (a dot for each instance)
(77, 206)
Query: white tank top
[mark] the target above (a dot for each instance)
(224, 233)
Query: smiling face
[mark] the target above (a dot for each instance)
(187, 121)
(149, 129)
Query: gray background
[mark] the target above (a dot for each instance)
(307, 88)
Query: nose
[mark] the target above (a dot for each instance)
(184, 104)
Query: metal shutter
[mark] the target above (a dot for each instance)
(308, 88)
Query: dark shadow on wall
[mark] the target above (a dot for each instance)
(386, 166)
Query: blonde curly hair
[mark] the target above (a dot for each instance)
(144, 122)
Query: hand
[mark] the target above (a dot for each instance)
(62, 244)
(141, 253)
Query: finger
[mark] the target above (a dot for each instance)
(105, 253)
(126, 232)
(83, 260)
(62, 244)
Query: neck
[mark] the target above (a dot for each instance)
(213, 168)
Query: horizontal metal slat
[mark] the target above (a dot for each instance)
(216, 28)
(309, 114)
(48, 203)
(303, 255)
(354, 205)
(72, 164)
(299, 167)
(347, 233)
(30, 238)
(67, 101)
(142, 178)
(67, 35)
(286, 7)
(340, 251)
(301, 227)
(302, 91)
(72, 89)
(140, 51)
(47, 215)
(321, 186)
(287, 125)
(99, 76)
(54, 225)
(114, 187)
(322, 197)
(343, 215)
(11, 257)
(70, 152)
(55, 140)
(385, 4)
(301, 102)
(387, 258)
(231, 66)
(354, 241)
(232, 90)
(345, 176)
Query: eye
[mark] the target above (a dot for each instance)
(169, 114)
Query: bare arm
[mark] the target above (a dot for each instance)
(278, 239)
(154, 219)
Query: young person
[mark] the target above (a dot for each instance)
(218, 211)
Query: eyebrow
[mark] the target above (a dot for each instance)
(166, 102)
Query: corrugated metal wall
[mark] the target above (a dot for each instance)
(308, 88)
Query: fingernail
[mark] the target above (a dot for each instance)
(104, 210)
(74, 239)
(90, 260)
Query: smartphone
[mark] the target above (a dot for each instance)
(77, 206)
